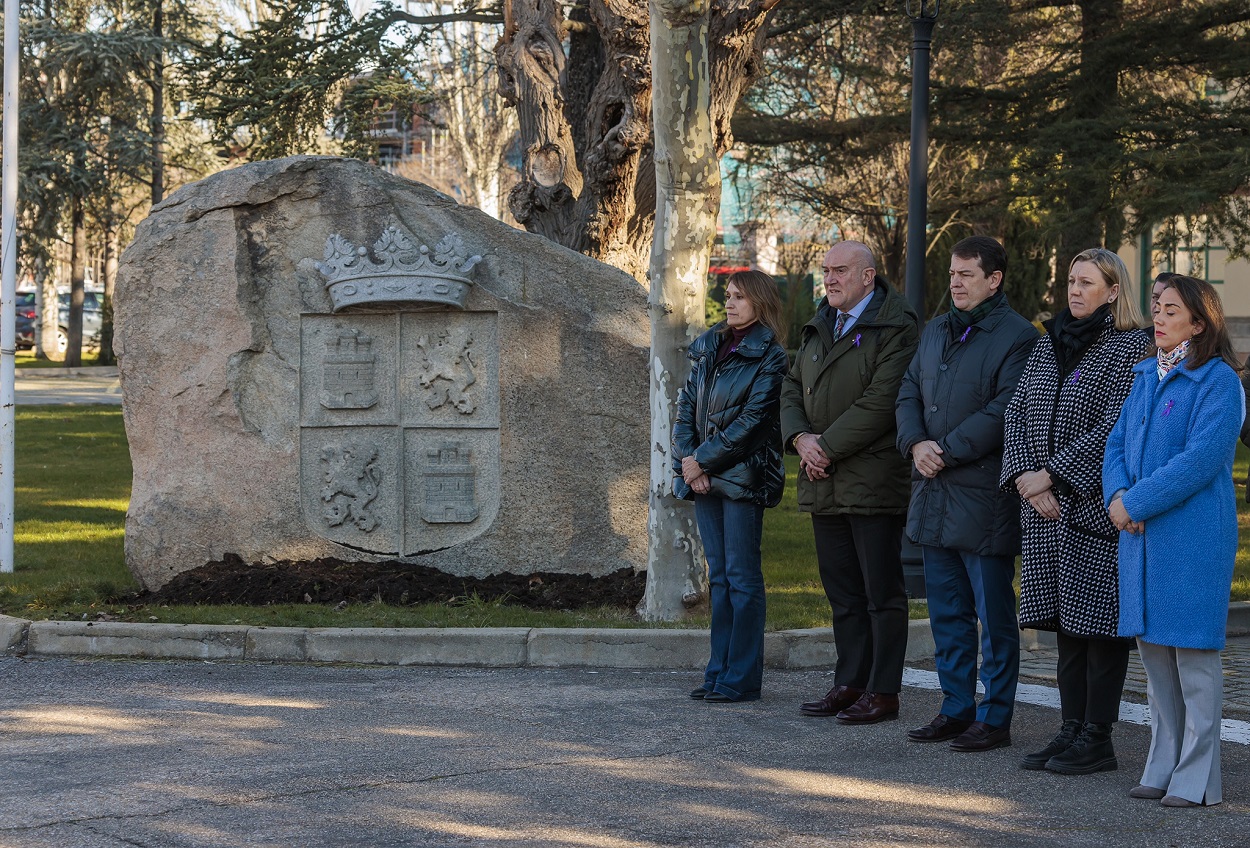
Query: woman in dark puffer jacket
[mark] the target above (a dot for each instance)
(727, 456)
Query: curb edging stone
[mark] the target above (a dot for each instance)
(484, 647)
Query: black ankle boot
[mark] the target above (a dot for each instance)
(1067, 735)
(1090, 752)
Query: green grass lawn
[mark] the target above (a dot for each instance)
(73, 487)
(26, 359)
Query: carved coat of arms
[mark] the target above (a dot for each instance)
(399, 410)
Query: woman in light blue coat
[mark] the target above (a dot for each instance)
(1168, 480)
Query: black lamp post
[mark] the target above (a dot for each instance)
(923, 14)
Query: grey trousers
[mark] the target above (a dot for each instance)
(1185, 688)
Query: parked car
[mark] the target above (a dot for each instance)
(25, 320)
(92, 318)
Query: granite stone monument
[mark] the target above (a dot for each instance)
(320, 359)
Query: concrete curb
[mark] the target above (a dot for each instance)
(487, 647)
(1239, 618)
(86, 371)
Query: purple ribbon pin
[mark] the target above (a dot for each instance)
(1167, 408)
(1076, 375)
(857, 338)
(964, 337)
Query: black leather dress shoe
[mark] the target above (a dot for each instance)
(722, 698)
(871, 708)
(942, 727)
(835, 701)
(982, 737)
(700, 693)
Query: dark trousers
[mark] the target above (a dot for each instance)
(964, 588)
(1091, 677)
(858, 558)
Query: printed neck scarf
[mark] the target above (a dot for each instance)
(1167, 361)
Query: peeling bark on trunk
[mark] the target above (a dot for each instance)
(687, 176)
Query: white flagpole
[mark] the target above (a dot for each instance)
(8, 282)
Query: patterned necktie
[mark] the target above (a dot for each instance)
(843, 317)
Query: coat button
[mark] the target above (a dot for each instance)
(809, 390)
(815, 357)
(942, 367)
(933, 409)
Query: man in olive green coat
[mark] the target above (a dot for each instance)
(837, 414)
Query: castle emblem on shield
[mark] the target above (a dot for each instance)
(347, 372)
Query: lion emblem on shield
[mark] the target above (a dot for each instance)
(352, 480)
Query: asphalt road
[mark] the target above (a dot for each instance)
(108, 753)
(90, 385)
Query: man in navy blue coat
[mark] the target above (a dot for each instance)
(950, 425)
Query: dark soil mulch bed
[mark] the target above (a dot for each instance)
(332, 581)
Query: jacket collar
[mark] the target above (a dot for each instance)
(1148, 365)
(887, 308)
(753, 346)
(989, 322)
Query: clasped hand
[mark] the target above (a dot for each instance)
(927, 456)
(812, 460)
(1036, 487)
(1120, 518)
(696, 478)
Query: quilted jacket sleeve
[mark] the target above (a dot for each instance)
(732, 444)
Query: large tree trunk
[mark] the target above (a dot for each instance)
(158, 109)
(46, 310)
(532, 71)
(77, 282)
(687, 179)
(592, 181)
(111, 249)
(587, 179)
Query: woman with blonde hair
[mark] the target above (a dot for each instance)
(727, 456)
(1055, 431)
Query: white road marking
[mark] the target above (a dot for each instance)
(1231, 730)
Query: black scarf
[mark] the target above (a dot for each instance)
(1071, 337)
(962, 319)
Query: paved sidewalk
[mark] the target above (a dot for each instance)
(1039, 665)
(69, 386)
(117, 754)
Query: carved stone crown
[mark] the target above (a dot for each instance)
(401, 271)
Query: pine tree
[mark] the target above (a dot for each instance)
(1057, 126)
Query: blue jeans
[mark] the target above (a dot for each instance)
(962, 588)
(731, 541)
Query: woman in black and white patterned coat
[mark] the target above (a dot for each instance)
(1055, 431)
